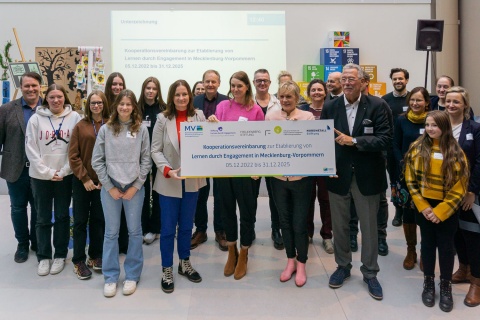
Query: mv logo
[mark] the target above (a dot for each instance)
(194, 128)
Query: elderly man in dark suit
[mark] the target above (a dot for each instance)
(363, 133)
(208, 102)
(14, 117)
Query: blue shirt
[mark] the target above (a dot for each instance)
(28, 111)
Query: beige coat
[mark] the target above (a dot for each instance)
(166, 153)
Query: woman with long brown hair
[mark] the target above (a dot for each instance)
(87, 207)
(151, 102)
(47, 139)
(121, 159)
(436, 174)
(241, 191)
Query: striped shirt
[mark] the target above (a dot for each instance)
(435, 189)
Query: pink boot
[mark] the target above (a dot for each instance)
(301, 277)
(289, 270)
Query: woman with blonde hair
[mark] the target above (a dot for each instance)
(467, 239)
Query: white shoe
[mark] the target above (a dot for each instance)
(328, 245)
(129, 287)
(149, 238)
(110, 289)
(57, 265)
(43, 267)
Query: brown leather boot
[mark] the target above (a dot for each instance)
(473, 296)
(241, 268)
(231, 260)
(410, 230)
(462, 275)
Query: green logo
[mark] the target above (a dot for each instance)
(277, 129)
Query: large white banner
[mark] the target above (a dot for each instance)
(258, 148)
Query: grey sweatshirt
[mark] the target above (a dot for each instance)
(124, 158)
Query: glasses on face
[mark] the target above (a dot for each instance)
(260, 81)
(96, 103)
(351, 79)
(417, 101)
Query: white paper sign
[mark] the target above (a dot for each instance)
(258, 148)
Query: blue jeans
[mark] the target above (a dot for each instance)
(21, 195)
(176, 211)
(60, 193)
(133, 212)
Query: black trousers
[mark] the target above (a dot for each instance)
(87, 211)
(241, 191)
(467, 244)
(201, 213)
(293, 202)
(151, 219)
(46, 192)
(441, 236)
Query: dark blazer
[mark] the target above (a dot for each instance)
(366, 159)
(471, 148)
(12, 140)
(198, 100)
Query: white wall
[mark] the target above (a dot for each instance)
(385, 33)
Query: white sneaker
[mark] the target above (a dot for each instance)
(149, 238)
(328, 245)
(43, 267)
(110, 289)
(57, 265)
(129, 287)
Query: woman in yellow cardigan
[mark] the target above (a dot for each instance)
(436, 174)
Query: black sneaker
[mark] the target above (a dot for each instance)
(185, 269)
(82, 271)
(21, 255)
(167, 280)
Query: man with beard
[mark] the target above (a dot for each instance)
(398, 105)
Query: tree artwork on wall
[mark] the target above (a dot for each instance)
(58, 66)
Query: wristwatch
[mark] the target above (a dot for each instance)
(354, 141)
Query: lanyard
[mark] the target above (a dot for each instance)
(57, 132)
(94, 128)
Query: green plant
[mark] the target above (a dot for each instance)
(5, 59)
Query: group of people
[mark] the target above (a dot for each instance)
(120, 161)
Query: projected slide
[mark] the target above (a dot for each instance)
(172, 45)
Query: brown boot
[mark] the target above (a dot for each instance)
(241, 268)
(462, 275)
(473, 296)
(231, 260)
(410, 230)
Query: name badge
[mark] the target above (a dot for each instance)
(368, 130)
(242, 118)
(422, 131)
(147, 123)
(131, 135)
(405, 108)
(469, 136)
(438, 156)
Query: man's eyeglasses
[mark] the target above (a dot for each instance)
(260, 81)
(345, 80)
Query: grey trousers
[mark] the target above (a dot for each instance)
(367, 208)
